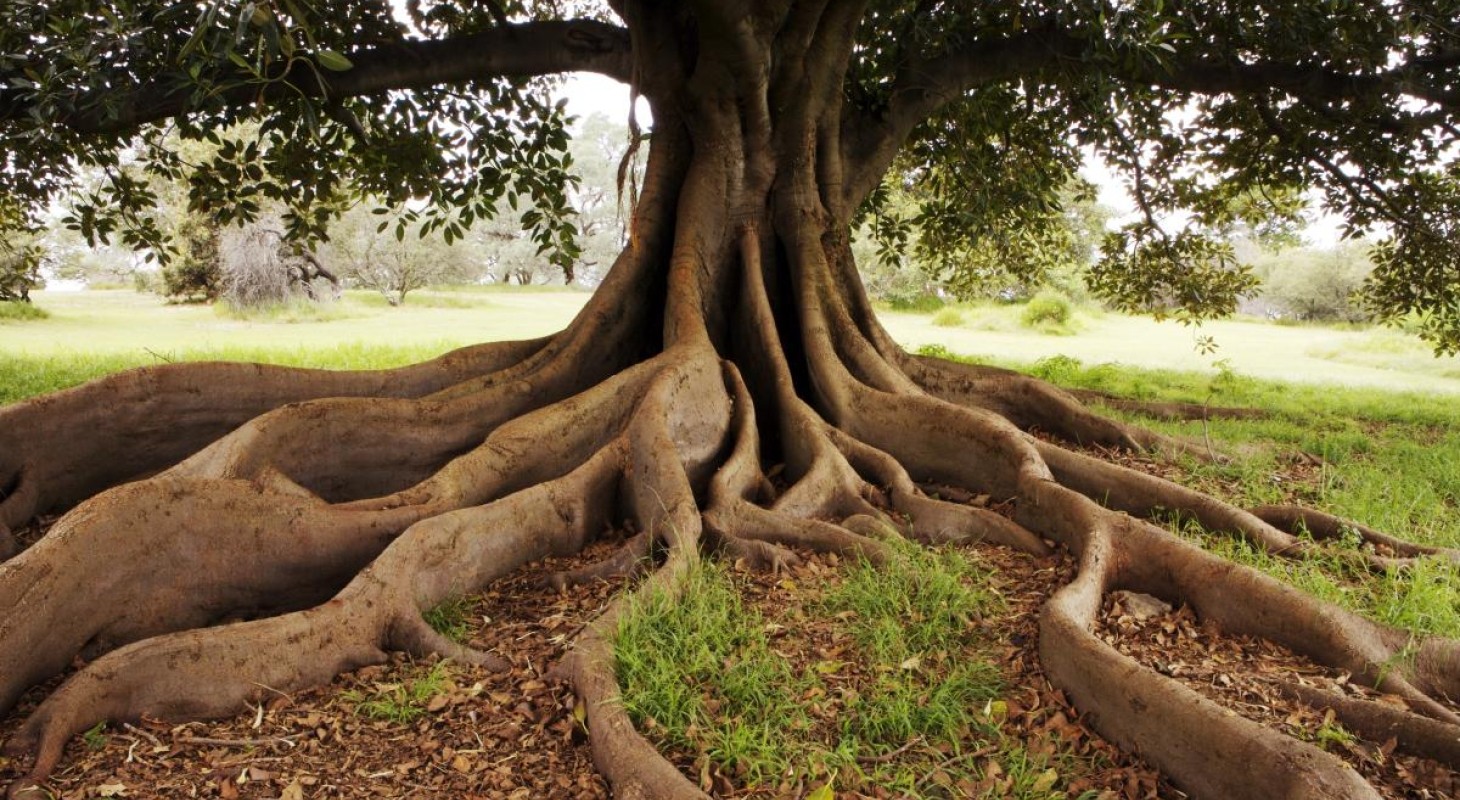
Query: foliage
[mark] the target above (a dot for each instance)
(1047, 309)
(911, 248)
(20, 311)
(195, 274)
(1318, 284)
(1218, 116)
(20, 254)
(371, 250)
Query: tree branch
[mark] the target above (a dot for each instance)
(926, 84)
(527, 49)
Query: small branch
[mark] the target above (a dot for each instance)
(215, 742)
(888, 756)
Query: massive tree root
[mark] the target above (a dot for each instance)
(727, 392)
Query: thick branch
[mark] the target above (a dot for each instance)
(523, 50)
(926, 84)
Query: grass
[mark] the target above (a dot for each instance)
(404, 701)
(95, 737)
(714, 677)
(130, 323)
(26, 375)
(17, 311)
(1390, 460)
(293, 311)
(1329, 355)
(452, 619)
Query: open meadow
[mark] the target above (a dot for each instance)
(94, 332)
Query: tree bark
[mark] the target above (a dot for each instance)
(731, 334)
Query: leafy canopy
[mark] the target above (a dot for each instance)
(1218, 110)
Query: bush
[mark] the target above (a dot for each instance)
(1047, 309)
(948, 318)
(20, 311)
(919, 303)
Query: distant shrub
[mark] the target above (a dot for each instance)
(1047, 309)
(948, 318)
(20, 311)
(917, 303)
(1057, 369)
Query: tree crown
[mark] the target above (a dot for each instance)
(1224, 111)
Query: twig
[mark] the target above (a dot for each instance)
(208, 740)
(886, 757)
(144, 734)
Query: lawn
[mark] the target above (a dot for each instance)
(101, 331)
(1304, 353)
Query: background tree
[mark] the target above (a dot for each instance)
(194, 274)
(375, 252)
(261, 267)
(1321, 284)
(918, 248)
(730, 336)
(20, 254)
(98, 267)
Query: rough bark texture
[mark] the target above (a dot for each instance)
(331, 509)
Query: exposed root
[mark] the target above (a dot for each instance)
(1320, 525)
(256, 552)
(1033, 404)
(1148, 497)
(412, 634)
(60, 449)
(210, 672)
(1166, 410)
(631, 560)
(1379, 722)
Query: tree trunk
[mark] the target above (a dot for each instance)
(731, 334)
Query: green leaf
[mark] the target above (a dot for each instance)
(333, 60)
(824, 793)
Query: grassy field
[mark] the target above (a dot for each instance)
(85, 334)
(89, 334)
(1303, 353)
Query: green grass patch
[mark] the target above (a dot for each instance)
(452, 619)
(18, 311)
(699, 671)
(1048, 312)
(948, 318)
(23, 376)
(293, 311)
(906, 673)
(1390, 460)
(403, 701)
